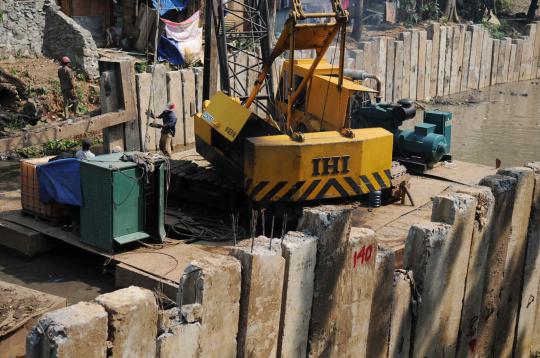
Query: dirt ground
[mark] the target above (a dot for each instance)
(42, 87)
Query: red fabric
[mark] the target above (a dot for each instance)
(172, 106)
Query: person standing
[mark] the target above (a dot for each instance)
(168, 128)
(65, 75)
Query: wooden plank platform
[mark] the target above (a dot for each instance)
(164, 264)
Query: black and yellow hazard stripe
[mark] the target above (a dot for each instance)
(317, 188)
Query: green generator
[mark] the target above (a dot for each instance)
(120, 203)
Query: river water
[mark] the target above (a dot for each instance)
(505, 125)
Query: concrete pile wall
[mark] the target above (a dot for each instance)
(468, 287)
(443, 60)
(183, 88)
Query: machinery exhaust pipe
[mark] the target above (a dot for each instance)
(361, 75)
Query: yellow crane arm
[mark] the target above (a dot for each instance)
(297, 36)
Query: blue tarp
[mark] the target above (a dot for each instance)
(166, 5)
(169, 50)
(60, 181)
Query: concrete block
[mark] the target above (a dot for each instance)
(358, 56)
(181, 340)
(484, 61)
(475, 56)
(398, 71)
(466, 58)
(531, 31)
(191, 313)
(343, 282)
(515, 259)
(442, 63)
(214, 283)
(427, 81)
(413, 81)
(457, 58)
(422, 47)
(174, 95)
(383, 296)
(525, 68)
(536, 52)
(198, 72)
(503, 189)
(495, 62)
(149, 135)
(365, 47)
(500, 61)
(260, 308)
(380, 49)
(300, 253)
(489, 62)
(23, 240)
(399, 341)
(519, 56)
(390, 55)
(433, 35)
(438, 253)
(529, 322)
(133, 315)
(506, 77)
(448, 59)
(359, 283)
(406, 38)
(189, 105)
(512, 63)
(79, 330)
(476, 268)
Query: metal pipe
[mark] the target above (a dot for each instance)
(361, 75)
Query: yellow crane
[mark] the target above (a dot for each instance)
(306, 150)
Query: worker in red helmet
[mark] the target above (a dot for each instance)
(65, 75)
(168, 128)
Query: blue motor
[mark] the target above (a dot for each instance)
(429, 140)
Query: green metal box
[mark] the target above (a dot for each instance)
(119, 204)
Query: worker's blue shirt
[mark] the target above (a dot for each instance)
(169, 122)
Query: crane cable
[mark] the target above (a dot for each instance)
(328, 82)
(151, 102)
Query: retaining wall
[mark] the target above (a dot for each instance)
(36, 28)
(469, 287)
(443, 60)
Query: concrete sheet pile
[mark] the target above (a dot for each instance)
(468, 286)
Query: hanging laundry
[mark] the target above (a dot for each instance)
(185, 36)
(169, 50)
(166, 5)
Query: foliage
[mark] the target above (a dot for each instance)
(140, 67)
(79, 93)
(14, 124)
(29, 152)
(429, 9)
(54, 147)
(407, 12)
(414, 11)
(501, 31)
(1, 16)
